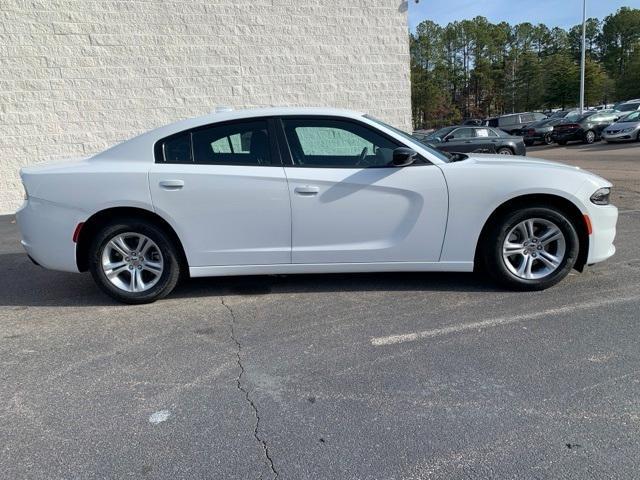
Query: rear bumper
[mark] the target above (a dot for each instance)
(47, 231)
(567, 137)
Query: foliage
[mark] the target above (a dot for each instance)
(474, 68)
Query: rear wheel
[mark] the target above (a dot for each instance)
(134, 261)
(548, 139)
(505, 151)
(530, 248)
(590, 137)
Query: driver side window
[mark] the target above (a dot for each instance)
(335, 143)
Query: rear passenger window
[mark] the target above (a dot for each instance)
(238, 143)
(177, 149)
(244, 143)
(508, 120)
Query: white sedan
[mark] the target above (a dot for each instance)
(295, 190)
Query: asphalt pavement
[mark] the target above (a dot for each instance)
(376, 376)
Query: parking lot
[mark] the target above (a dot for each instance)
(376, 376)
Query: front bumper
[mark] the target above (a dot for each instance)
(620, 137)
(47, 230)
(603, 221)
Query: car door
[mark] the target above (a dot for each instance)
(460, 140)
(224, 189)
(349, 205)
(486, 140)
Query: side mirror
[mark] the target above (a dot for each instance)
(403, 157)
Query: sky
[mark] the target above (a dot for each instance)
(553, 13)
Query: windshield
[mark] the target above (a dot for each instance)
(410, 139)
(632, 117)
(628, 107)
(443, 132)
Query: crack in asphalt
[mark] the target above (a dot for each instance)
(262, 442)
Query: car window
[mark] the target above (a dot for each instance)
(527, 117)
(240, 143)
(462, 133)
(336, 143)
(631, 117)
(508, 120)
(176, 149)
(628, 107)
(485, 132)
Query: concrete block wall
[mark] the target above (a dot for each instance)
(77, 76)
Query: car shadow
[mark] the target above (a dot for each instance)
(24, 285)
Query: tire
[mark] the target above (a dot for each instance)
(505, 151)
(158, 268)
(547, 139)
(589, 137)
(517, 270)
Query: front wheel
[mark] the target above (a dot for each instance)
(548, 139)
(505, 151)
(531, 248)
(134, 261)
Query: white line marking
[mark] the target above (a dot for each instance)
(628, 211)
(495, 322)
(159, 417)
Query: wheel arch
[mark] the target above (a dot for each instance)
(103, 217)
(563, 204)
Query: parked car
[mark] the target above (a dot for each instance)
(586, 128)
(541, 131)
(513, 123)
(465, 139)
(625, 129)
(295, 190)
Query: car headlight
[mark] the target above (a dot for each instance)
(601, 196)
(627, 130)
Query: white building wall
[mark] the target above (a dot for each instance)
(77, 76)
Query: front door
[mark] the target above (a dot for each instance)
(461, 140)
(349, 205)
(224, 189)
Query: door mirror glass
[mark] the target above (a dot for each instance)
(403, 157)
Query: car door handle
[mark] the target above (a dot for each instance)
(306, 190)
(171, 184)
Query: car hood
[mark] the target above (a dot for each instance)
(529, 162)
(491, 159)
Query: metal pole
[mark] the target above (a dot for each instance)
(584, 47)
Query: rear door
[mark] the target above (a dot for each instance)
(349, 205)
(224, 189)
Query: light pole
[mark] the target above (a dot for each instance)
(584, 45)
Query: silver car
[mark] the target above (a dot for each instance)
(625, 129)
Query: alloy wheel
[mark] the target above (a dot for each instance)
(132, 262)
(590, 137)
(534, 249)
